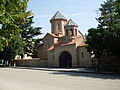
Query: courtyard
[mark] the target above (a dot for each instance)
(29, 79)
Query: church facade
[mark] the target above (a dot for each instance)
(65, 45)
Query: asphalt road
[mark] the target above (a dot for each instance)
(26, 79)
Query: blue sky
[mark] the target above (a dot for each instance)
(82, 12)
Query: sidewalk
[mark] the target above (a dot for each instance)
(75, 70)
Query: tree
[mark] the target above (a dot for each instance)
(37, 42)
(109, 22)
(105, 39)
(28, 35)
(12, 14)
(95, 39)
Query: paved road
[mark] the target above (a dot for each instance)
(26, 79)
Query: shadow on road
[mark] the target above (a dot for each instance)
(76, 74)
(91, 75)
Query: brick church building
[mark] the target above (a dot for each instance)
(65, 45)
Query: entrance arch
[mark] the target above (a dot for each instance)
(65, 59)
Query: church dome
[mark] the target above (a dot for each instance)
(57, 16)
(71, 23)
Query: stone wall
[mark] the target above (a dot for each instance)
(83, 57)
(31, 62)
(41, 52)
(53, 56)
(51, 60)
(48, 41)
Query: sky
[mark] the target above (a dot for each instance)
(82, 12)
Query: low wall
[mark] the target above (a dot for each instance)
(110, 63)
(35, 62)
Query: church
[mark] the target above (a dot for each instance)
(65, 45)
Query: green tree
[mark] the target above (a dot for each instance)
(105, 39)
(12, 14)
(15, 47)
(109, 22)
(28, 35)
(95, 39)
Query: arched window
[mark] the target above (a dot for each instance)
(58, 26)
(76, 32)
(53, 57)
(53, 28)
(82, 55)
(66, 32)
(71, 32)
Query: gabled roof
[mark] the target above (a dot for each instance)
(64, 44)
(71, 23)
(58, 15)
(51, 34)
(83, 44)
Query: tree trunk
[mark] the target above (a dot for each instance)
(9, 63)
(98, 65)
(118, 63)
(22, 56)
(4, 63)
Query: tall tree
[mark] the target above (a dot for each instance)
(29, 34)
(105, 39)
(12, 14)
(109, 22)
(95, 39)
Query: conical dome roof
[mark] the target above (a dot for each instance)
(71, 23)
(58, 15)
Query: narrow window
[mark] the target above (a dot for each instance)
(71, 31)
(76, 32)
(53, 28)
(58, 26)
(66, 32)
(53, 57)
(82, 55)
(48, 45)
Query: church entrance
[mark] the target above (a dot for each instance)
(65, 59)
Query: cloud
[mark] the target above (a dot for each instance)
(75, 14)
(67, 15)
(72, 1)
(80, 14)
(41, 16)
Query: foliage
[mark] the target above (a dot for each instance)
(15, 47)
(105, 39)
(109, 22)
(95, 38)
(11, 15)
(28, 35)
(3, 41)
(17, 36)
